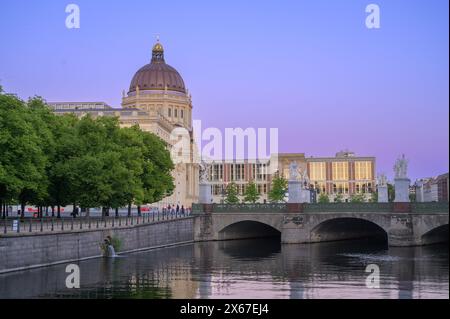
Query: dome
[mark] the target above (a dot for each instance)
(157, 75)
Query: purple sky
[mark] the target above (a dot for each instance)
(310, 68)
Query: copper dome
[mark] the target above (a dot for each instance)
(157, 75)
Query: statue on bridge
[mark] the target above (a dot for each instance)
(204, 172)
(401, 167)
(293, 171)
(382, 180)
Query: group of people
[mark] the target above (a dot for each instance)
(173, 210)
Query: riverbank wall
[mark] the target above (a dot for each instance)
(26, 251)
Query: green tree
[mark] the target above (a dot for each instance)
(323, 198)
(357, 198)
(251, 193)
(23, 160)
(231, 194)
(374, 197)
(47, 159)
(391, 192)
(278, 189)
(61, 174)
(338, 198)
(157, 177)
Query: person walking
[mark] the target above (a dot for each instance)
(182, 210)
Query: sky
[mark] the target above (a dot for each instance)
(312, 69)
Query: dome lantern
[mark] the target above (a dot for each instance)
(157, 53)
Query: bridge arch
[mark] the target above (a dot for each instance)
(245, 229)
(436, 235)
(346, 228)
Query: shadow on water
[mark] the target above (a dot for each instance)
(251, 248)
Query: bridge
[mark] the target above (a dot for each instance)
(399, 224)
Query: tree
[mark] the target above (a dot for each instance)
(47, 159)
(374, 197)
(278, 189)
(23, 160)
(391, 192)
(61, 174)
(357, 198)
(338, 198)
(251, 193)
(157, 174)
(231, 194)
(323, 198)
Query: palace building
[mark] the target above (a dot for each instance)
(344, 174)
(158, 101)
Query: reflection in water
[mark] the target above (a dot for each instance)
(259, 268)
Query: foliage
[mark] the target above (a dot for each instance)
(323, 198)
(231, 194)
(338, 198)
(357, 198)
(278, 189)
(391, 192)
(50, 160)
(114, 241)
(374, 197)
(251, 193)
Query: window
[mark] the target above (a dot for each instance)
(217, 172)
(175, 113)
(318, 171)
(169, 112)
(237, 172)
(340, 188)
(363, 188)
(340, 171)
(363, 170)
(320, 187)
(182, 113)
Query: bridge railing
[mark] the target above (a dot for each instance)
(348, 207)
(428, 207)
(29, 225)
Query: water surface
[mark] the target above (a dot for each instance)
(260, 268)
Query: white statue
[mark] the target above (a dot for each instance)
(293, 171)
(382, 180)
(401, 167)
(204, 172)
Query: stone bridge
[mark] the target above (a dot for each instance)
(399, 224)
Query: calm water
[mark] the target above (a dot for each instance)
(247, 269)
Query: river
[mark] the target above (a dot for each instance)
(259, 268)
